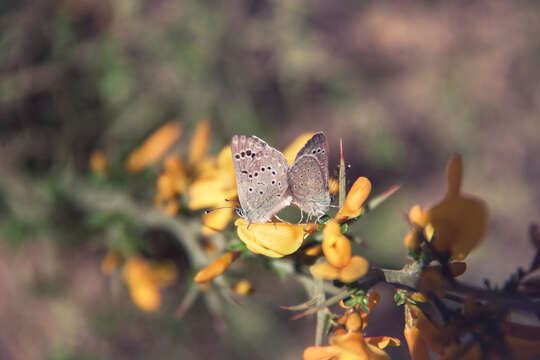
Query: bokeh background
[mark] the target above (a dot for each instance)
(405, 84)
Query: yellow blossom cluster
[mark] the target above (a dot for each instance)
(144, 278)
(336, 247)
(348, 341)
(456, 225)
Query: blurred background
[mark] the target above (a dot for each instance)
(405, 84)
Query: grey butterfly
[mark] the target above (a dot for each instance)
(261, 178)
(308, 177)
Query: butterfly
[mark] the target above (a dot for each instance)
(308, 177)
(261, 178)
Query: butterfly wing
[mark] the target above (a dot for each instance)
(308, 177)
(318, 147)
(261, 177)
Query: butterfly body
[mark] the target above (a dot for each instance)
(261, 178)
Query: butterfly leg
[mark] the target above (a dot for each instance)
(301, 217)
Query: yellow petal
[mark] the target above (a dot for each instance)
(174, 168)
(145, 295)
(355, 199)
(459, 224)
(314, 250)
(333, 186)
(357, 267)
(215, 221)
(199, 142)
(154, 147)
(98, 162)
(166, 185)
(216, 268)
(271, 239)
(454, 173)
(325, 271)
(320, 353)
(136, 270)
(353, 322)
(209, 193)
(297, 144)
(354, 346)
(243, 287)
(336, 247)
(417, 217)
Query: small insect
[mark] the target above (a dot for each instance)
(308, 177)
(261, 178)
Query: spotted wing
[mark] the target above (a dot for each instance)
(261, 177)
(318, 147)
(308, 185)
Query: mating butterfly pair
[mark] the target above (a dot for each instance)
(266, 184)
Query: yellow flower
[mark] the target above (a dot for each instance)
(418, 220)
(215, 184)
(351, 346)
(243, 288)
(199, 143)
(177, 174)
(456, 225)
(154, 147)
(146, 295)
(98, 162)
(355, 199)
(297, 144)
(217, 220)
(459, 222)
(216, 268)
(144, 280)
(337, 250)
(271, 239)
(336, 247)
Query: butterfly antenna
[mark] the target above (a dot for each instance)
(220, 208)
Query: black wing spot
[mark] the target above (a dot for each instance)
(237, 156)
(262, 169)
(261, 192)
(252, 155)
(243, 154)
(256, 174)
(273, 173)
(314, 151)
(319, 150)
(273, 182)
(248, 153)
(269, 167)
(244, 172)
(250, 189)
(250, 176)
